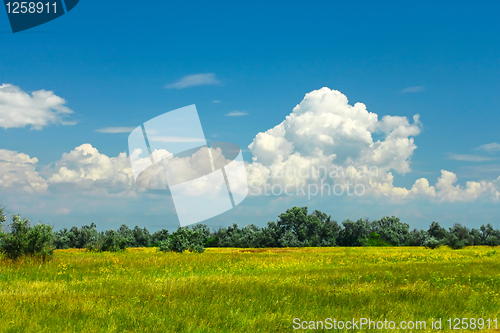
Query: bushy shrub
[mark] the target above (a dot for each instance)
(184, 239)
(454, 242)
(462, 234)
(2, 220)
(289, 239)
(392, 230)
(142, 237)
(492, 241)
(251, 236)
(354, 233)
(489, 236)
(418, 237)
(126, 235)
(159, 236)
(40, 240)
(112, 241)
(86, 237)
(436, 231)
(23, 239)
(432, 243)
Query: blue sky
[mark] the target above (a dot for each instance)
(112, 62)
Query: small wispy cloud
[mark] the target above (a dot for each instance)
(469, 158)
(415, 89)
(490, 171)
(115, 130)
(216, 101)
(490, 147)
(203, 79)
(237, 114)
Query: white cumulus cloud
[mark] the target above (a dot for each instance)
(85, 169)
(38, 109)
(326, 141)
(18, 173)
(449, 192)
(325, 130)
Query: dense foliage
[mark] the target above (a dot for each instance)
(294, 228)
(186, 239)
(23, 239)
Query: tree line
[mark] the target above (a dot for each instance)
(294, 228)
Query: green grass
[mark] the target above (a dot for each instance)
(245, 290)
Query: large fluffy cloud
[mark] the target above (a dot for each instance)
(324, 125)
(325, 132)
(18, 173)
(38, 109)
(325, 141)
(449, 192)
(85, 169)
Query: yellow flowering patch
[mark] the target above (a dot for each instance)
(245, 290)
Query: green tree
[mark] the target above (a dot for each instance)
(463, 234)
(489, 235)
(41, 240)
(159, 236)
(2, 220)
(89, 237)
(418, 237)
(299, 228)
(112, 241)
(454, 242)
(184, 238)
(15, 242)
(142, 237)
(432, 243)
(251, 236)
(354, 233)
(127, 235)
(22, 239)
(438, 232)
(392, 230)
(270, 235)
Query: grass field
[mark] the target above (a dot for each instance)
(246, 290)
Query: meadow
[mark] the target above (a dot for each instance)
(247, 290)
